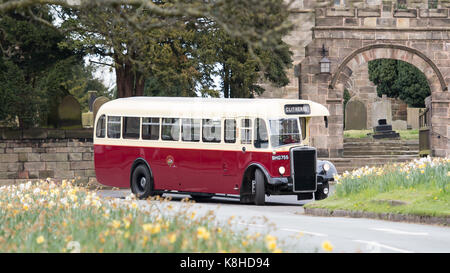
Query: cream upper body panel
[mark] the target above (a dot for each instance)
(205, 107)
(202, 108)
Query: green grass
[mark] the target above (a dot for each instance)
(404, 134)
(421, 187)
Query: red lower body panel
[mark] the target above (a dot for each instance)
(188, 170)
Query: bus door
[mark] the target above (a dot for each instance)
(243, 156)
(211, 156)
(229, 157)
(168, 159)
(189, 160)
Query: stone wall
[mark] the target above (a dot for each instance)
(399, 111)
(29, 155)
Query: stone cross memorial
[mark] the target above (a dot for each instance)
(384, 130)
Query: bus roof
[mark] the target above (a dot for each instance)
(197, 107)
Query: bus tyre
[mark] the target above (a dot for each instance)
(260, 191)
(141, 183)
(320, 194)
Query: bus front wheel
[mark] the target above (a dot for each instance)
(141, 183)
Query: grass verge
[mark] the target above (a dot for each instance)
(420, 187)
(60, 217)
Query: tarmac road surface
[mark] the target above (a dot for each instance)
(283, 216)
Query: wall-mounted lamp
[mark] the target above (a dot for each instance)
(325, 64)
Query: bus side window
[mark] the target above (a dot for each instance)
(101, 124)
(190, 130)
(114, 127)
(150, 128)
(303, 127)
(131, 127)
(170, 129)
(211, 130)
(230, 131)
(260, 134)
(246, 131)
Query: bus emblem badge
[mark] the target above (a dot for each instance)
(169, 160)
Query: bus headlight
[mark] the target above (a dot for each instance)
(281, 170)
(326, 167)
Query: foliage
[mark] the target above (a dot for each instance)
(398, 79)
(155, 53)
(17, 97)
(37, 70)
(27, 49)
(50, 216)
(347, 97)
(242, 73)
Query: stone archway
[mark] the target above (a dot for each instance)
(353, 38)
(439, 116)
(342, 74)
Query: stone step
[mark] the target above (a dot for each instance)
(358, 144)
(370, 140)
(379, 152)
(384, 148)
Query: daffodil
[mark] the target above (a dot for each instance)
(147, 227)
(271, 242)
(115, 224)
(203, 233)
(172, 238)
(327, 246)
(40, 239)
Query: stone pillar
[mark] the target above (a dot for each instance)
(440, 123)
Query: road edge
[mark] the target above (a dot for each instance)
(395, 217)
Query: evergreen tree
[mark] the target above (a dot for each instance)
(37, 71)
(398, 79)
(176, 54)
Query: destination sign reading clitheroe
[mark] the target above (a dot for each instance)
(297, 109)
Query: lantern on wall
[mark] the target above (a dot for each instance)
(325, 64)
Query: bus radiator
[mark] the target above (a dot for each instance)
(303, 164)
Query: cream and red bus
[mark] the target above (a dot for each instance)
(205, 147)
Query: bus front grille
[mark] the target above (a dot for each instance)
(303, 164)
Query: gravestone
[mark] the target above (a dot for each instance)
(384, 130)
(381, 110)
(97, 104)
(355, 115)
(87, 120)
(413, 117)
(69, 113)
(399, 125)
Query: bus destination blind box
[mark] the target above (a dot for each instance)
(297, 109)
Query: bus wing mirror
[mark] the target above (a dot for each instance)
(326, 121)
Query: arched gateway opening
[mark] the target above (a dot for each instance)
(328, 88)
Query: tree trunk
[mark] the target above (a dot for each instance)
(139, 84)
(129, 82)
(226, 83)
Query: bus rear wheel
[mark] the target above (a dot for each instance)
(259, 188)
(141, 183)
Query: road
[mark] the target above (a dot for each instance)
(283, 216)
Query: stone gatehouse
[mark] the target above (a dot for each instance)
(417, 32)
